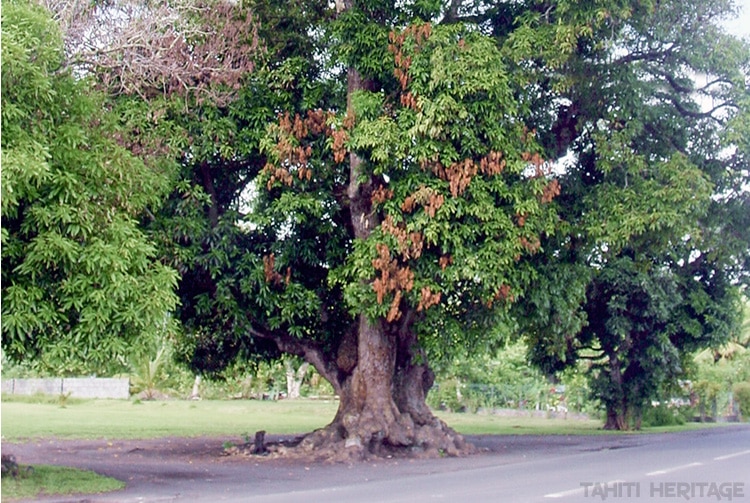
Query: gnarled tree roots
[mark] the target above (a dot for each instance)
(353, 439)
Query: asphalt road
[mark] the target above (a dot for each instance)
(707, 465)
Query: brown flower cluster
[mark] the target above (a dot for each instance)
(427, 197)
(419, 33)
(550, 191)
(537, 162)
(543, 169)
(393, 279)
(381, 195)
(530, 245)
(271, 275)
(277, 174)
(410, 244)
(502, 294)
(427, 299)
(293, 149)
(492, 164)
(459, 174)
(445, 261)
(340, 137)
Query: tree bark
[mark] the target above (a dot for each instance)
(617, 417)
(294, 378)
(617, 408)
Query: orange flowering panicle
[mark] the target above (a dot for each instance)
(293, 149)
(430, 199)
(269, 270)
(428, 298)
(381, 195)
(410, 244)
(418, 34)
(393, 279)
(502, 294)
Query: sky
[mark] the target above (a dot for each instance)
(741, 25)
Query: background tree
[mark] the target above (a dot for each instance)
(81, 282)
(652, 199)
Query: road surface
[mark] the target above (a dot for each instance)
(704, 465)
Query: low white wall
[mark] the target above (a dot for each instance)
(85, 387)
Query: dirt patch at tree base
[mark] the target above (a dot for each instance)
(296, 450)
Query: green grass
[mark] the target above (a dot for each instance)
(119, 419)
(58, 480)
(489, 424)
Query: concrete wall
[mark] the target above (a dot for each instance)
(86, 387)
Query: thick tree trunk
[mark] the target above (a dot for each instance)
(617, 410)
(616, 418)
(382, 409)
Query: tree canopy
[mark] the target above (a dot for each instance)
(81, 281)
(655, 240)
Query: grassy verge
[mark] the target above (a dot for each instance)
(489, 424)
(57, 480)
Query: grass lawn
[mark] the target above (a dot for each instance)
(36, 417)
(48, 480)
(122, 419)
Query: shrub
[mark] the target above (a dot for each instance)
(661, 416)
(741, 393)
(446, 396)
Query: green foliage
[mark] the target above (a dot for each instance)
(716, 370)
(502, 379)
(81, 282)
(447, 396)
(453, 158)
(645, 266)
(154, 373)
(741, 392)
(661, 415)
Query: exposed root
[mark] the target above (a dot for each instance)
(332, 444)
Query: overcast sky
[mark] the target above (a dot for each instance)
(741, 25)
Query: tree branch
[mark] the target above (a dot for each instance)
(451, 15)
(709, 114)
(655, 55)
(152, 49)
(308, 351)
(688, 90)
